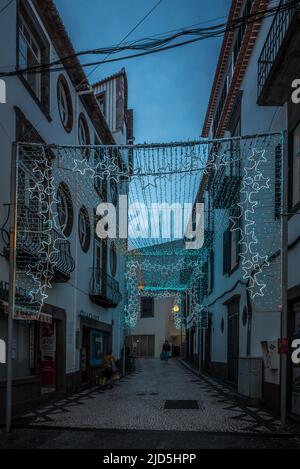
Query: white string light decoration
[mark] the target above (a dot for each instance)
(156, 174)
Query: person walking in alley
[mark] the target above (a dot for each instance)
(166, 351)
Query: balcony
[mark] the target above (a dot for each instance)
(225, 189)
(104, 290)
(32, 236)
(279, 64)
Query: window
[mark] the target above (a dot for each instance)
(98, 256)
(234, 249)
(65, 209)
(211, 271)
(29, 56)
(296, 165)
(84, 229)
(64, 103)
(235, 158)
(99, 181)
(114, 192)
(98, 247)
(278, 188)
(147, 307)
(83, 135)
(235, 237)
(231, 245)
(33, 50)
(226, 251)
(113, 259)
(242, 29)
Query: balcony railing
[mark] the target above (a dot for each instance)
(104, 289)
(32, 232)
(279, 47)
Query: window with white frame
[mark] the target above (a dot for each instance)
(29, 55)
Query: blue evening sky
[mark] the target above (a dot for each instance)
(168, 91)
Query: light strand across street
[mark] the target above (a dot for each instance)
(157, 263)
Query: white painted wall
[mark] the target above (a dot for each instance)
(265, 324)
(73, 296)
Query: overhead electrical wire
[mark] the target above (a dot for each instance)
(141, 21)
(152, 46)
(148, 13)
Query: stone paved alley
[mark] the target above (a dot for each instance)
(137, 405)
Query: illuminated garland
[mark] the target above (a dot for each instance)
(253, 264)
(166, 268)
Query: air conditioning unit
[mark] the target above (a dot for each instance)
(251, 378)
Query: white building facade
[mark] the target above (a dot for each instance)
(64, 346)
(241, 335)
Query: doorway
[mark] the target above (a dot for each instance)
(48, 357)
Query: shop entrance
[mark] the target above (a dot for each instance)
(51, 351)
(95, 345)
(48, 357)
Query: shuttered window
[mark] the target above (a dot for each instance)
(211, 271)
(278, 162)
(226, 251)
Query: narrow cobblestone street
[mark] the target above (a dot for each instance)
(219, 418)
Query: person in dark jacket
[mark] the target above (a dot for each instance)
(166, 351)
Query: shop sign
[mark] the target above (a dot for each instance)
(90, 316)
(27, 315)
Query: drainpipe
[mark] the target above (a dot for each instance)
(199, 348)
(249, 326)
(284, 276)
(12, 284)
